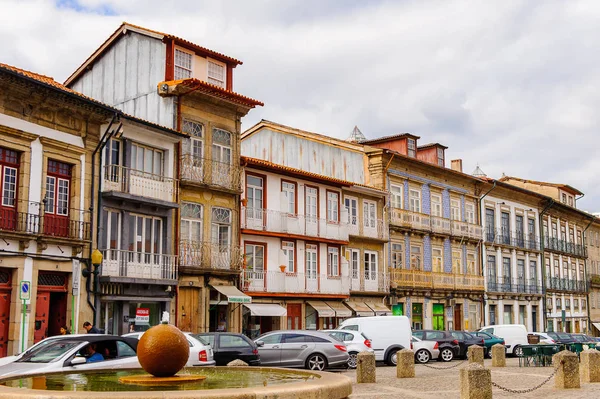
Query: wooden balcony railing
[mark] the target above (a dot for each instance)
(135, 182)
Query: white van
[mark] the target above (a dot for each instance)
(388, 334)
(514, 335)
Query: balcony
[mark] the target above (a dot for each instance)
(593, 280)
(512, 239)
(565, 284)
(516, 286)
(29, 218)
(377, 229)
(430, 280)
(205, 255)
(370, 282)
(131, 264)
(203, 171)
(300, 225)
(564, 246)
(294, 283)
(434, 224)
(124, 180)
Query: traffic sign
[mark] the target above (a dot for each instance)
(25, 292)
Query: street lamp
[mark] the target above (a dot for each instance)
(96, 263)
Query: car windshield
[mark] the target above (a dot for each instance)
(50, 352)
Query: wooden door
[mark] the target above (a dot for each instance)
(42, 311)
(294, 316)
(58, 312)
(57, 199)
(458, 317)
(4, 321)
(189, 309)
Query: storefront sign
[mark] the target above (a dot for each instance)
(239, 299)
(142, 316)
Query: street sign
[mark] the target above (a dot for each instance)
(25, 291)
(76, 271)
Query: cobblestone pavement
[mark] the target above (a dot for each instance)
(442, 384)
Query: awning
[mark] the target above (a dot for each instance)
(322, 309)
(266, 309)
(379, 308)
(340, 309)
(233, 294)
(597, 325)
(360, 308)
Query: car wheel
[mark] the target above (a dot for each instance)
(316, 362)
(422, 356)
(518, 351)
(446, 354)
(352, 360)
(392, 359)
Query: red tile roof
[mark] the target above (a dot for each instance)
(390, 138)
(572, 189)
(194, 84)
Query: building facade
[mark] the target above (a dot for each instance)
(592, 244)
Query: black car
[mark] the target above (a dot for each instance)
(465, 340)
(447, 344)
(561, 337)
(583, 338)
(231, 346)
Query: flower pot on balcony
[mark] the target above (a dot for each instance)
(282, 268)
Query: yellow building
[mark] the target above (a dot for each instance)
(592, 243)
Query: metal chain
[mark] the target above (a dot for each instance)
(444, 368)
(529, 389)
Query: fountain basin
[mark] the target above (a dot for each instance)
(221, 383)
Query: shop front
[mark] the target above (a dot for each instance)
(137, 314)
(259, 318)
(225, 306)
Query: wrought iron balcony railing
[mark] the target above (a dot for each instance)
(513, 239)
(196, 170)
(209, 255)
(567, 247)
(434, 224)
(514, 285)
(565, 284)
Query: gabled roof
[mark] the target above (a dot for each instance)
(390, 138)
(54, 85)
(193, 84)
(566, 187)
(122, 30)
(425, 146)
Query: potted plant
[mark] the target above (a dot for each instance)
(282, 268)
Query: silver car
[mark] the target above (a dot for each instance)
(72, 353)
(313, 350)
(355, 342)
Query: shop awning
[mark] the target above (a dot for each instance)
(322, 309)
(340, 309)
(266, 309)
(597, 325)
(233, 294)
(360, 308)
(379, 308)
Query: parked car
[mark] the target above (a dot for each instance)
(425, 350)
(70, 353)
(201, 353)
(230, 346)
(582, 338)
(489, 340)
(355, 342)
(313, 350)
(447, 344)
(465, 340)
(544, 337)
(388, 334)
(514, 335)
(561, 337)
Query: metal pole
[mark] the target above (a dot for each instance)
(23, 329)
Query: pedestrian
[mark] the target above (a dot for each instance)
(90, 328)
(64, 330)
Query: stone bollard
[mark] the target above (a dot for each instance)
(365, 368)
(405, 368)
(475, 354)
(498, 356)
(566, 364)
(475, 382)
(590, 365)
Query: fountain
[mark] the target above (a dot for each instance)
(162, 352)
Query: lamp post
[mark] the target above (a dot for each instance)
(96, 263)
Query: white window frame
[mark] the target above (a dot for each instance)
(311, 261)
(457, 261)
(196, 140)
(142, 237)
(414, 200)
(183, 71)
(333, 262)
(416, 257)
(213, 75)
(455, 209)
(396, 197)
(219, 224)
(288, 189)
(252, 266)
(437, 257)
(370, 265)
(189, 220)
(288, 249)
(369, 214)
(440, 157)
(470, 212)
(436, 206)
(411, 146)
(113, 230)
(397, 255)
(157, 157)
(354, 263)
(333, 211)
(351, 205)
(471, 263)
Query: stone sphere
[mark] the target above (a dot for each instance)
(163, 350)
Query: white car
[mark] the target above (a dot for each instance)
(425, 350)
(70, 353)
(201, 353)
(355, 341)
(544, 338)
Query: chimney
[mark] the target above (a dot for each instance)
(456, 164)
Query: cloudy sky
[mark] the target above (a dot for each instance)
(509, 85)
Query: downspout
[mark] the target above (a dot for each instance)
(543, 265)
(578, 198)
(481, 259)
(177, 211)
(387, 245)
(585, 260)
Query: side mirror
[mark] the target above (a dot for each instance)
(78, 360)
(259, 343)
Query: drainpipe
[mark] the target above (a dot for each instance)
(585, 260)
(578, 198)
(541, 227)
(481, 259)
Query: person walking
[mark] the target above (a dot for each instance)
(64, 330)
(90, 328)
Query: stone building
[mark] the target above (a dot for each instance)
(592, 244)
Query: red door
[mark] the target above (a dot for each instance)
(5, 291)
(56, 208)
(294, 316)
(51, 305)
(458, 317)
(42, 313)
(9, 171)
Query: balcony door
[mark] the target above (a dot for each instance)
(255, 268)
(192, 167)
(190, 246)
(370, 218)
(221, 155)
(506, 275)
(56, 209)
(520, 226)
(351, 205)
(221, 238)
(146, 259)
(312, 272)
(490, 224)
(505, 228)
(111, 265)
(521, 275)
(255, 197)
(311, 196)
(113, 174)
(8, 193)
(370, 269)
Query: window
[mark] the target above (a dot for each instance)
(491, 268)
(576, 304)
(440, 157)
(311, 261)
(216, 74)
(520, 226)
(415, 201)
(583, 304)
(533, 272)
(351, 205)
(455, 209)
(492, 315)
(471, 265)
(333, 206)
(506, 274)
(369, 214)
(57, 188)
(113, 229)
(564, 198)
(146, 233)
(254, 196)
(570, 201)
(470, 212)
(221, 227)
(196, 132)
(146, 159)
(354, 256)
(436, 205)
(287, 247)
(288, 192)
(191, 222)
(554, 230)
(521, 274)
(397, 255)
(183, 65)
(396, 196)
(9, 164)
(568, 303)
(508, 314)
(412, 147)
(558, 304)
(437, 260)
(505, 227)
(333, 261)
(456, 262)
(255, 259)
(221, 147)
(490, 224)
(565, 269)
(370, 265)
(415, 257)
(556, 268)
